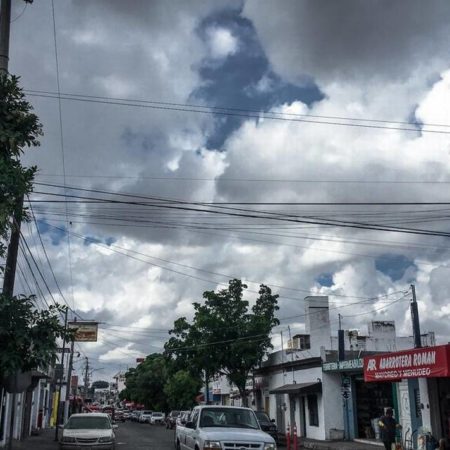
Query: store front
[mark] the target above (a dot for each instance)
(424, 372)
(363, 403)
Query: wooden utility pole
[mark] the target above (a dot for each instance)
(11, 259)
(415, 319)
(5, 20)
(58, 407)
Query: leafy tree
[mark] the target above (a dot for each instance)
(100, 384)
(226, 336)
(19, 128)
(186, 348)
(145, 383)
(181, 389)
(28, 337)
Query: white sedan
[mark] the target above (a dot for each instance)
(157, 417)
(88, 430)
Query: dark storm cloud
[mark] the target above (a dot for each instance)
(359, 40)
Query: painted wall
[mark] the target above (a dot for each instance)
(332, 398)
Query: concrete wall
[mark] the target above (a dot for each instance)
(332, 398)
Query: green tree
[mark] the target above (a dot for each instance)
(100, 384)
(186, 348)
(145, 383)
(181, 389)
(226, 336)
(28, 337)
(19, 128)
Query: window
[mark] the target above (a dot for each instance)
(313, 410)
(194, 417)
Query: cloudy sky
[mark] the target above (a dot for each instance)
(191, 136)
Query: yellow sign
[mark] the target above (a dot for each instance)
(85, 331)
(54, 408)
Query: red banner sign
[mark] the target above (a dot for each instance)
(417, 363)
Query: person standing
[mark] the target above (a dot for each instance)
(388, 427)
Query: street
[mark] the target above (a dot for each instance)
(130, 436)
(136, 436)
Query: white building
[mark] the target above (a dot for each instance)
(298, 386)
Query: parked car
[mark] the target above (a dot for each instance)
(126, 415)
(157, 418)
(92, 430)
(171, 419)
(135, 415)
(218, 427)
(267, 424)
(145, 416)
(183, 418)
(119, 416)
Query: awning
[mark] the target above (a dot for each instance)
(298, 388)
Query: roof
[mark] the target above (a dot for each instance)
(92, 414)
(298, 388)
(221, 407)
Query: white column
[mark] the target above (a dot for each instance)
(425, 401)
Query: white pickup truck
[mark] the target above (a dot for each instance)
(222, 427)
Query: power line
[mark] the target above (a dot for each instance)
(61, 135)
(221, 179)
(49, 264)
(236, 112)
(237, 212)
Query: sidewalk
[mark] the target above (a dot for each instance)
(341, 445)
(44, 441)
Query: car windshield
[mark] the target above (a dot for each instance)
(228, 418)
(262, 417)
(88, 423)
(175, 413)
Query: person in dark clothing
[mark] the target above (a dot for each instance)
(388, 427)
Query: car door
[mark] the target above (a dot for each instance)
(191, 434)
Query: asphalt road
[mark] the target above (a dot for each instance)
(136, 436)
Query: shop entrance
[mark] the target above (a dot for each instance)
(371, 401)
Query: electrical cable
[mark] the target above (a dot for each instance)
(162, 106)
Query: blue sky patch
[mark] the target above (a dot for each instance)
(109, 241)
(325, 279)
(56, 235)
(394, 266)
(91, 240)
(243, 79)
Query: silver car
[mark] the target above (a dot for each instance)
(88, 430)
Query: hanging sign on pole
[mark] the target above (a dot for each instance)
(84, 331)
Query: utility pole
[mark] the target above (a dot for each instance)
(292, 353)
(415, 319)
(69, 381)
(86, 378)
(341, 343)
(5, 20)
(58, 407)
(13, 247)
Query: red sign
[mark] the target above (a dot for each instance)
(416, 363)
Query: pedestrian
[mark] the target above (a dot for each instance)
(442, 445)
(388, 426)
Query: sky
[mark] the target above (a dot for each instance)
(255, 108)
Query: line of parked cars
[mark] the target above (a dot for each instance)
(148, 416)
